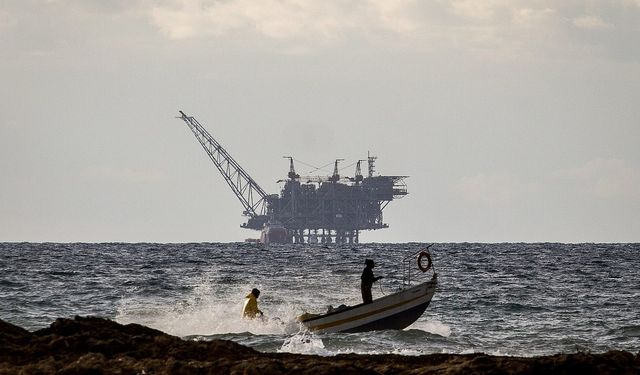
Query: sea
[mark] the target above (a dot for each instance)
(513, 299)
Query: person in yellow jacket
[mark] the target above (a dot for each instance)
(250, 310)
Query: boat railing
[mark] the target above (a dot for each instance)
(407, 266)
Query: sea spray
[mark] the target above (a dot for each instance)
(210, 308)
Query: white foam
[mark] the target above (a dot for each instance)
(207, 310)
(435, 327)
(404, 351)
(304, 343)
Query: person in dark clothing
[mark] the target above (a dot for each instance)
(367, 281)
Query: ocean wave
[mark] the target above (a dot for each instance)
(514, 299)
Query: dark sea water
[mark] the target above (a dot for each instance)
(507, 299)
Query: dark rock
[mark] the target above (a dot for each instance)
(100, 346)
(12, 340)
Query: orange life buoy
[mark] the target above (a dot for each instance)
(429, 264)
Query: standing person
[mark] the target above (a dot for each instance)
(367, 281)
(250, 310)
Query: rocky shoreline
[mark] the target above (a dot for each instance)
(88, 345)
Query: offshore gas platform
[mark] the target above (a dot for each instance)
(328, 209)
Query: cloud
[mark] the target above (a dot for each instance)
(288, 19)
(603, 178)
(480, 10)
(495, 190)
(591, 22)
(491, 29)
(631, 3)
(332, 19)
(530, 17)
(495, 28)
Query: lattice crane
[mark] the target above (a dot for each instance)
(254, 199)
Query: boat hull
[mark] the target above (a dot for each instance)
(394, 311)
(397, 321)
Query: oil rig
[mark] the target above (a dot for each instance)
(327, 209)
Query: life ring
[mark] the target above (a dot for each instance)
(429, 263)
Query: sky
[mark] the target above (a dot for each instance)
(517, 121)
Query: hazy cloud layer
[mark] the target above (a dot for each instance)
(303, 19)
(609, 179)
(497, 29)
(504, 26)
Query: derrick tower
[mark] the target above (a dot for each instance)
(324, 209)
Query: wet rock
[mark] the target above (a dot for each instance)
(12, 341)
(88, 345)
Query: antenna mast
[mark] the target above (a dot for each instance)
(371, 161)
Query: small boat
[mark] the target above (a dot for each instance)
(273, 232)
(394, 311)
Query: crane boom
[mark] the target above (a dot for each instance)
(250, 194)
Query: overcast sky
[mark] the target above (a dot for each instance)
(516, 120)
